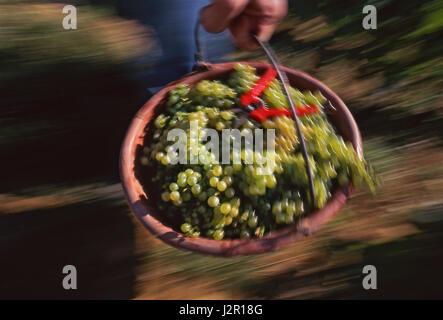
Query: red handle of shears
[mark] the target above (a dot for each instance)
(265, 80)
(263, 113)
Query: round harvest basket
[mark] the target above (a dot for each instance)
(143, 207)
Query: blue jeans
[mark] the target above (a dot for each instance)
(173, 23)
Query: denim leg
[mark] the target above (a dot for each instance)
(173, 22)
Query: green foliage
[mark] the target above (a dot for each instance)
(32, 37)
(432, 20)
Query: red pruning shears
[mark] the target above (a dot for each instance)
(256, 108)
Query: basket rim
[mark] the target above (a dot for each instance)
(138, 200)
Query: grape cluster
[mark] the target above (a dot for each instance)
(213, 94)
(245, 199)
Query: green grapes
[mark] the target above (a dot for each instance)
(213, 201)
(208, 198)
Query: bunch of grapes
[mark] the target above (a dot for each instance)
(213, 94)
(247, 198)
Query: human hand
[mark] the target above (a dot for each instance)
(244, 18)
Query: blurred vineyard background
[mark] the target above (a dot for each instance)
(66, 99)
